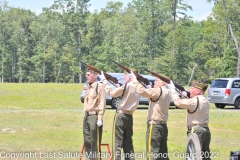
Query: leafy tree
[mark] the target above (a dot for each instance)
(74, 15)
(4, 36)
(228, 10)
(21, 41)
(47, 34)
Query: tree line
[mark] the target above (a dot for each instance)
(154, 34)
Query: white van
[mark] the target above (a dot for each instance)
(225, 91)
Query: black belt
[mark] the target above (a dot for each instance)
(91, 113)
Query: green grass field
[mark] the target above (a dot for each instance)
(44, 121)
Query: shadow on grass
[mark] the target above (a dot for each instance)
(228, 109)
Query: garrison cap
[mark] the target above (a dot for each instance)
(91, 70)
(199, 85)
(132, 69)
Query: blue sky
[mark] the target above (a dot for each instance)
(201, 9)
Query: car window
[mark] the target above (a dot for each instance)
(236, 84)
(219, 84)
(121, 80)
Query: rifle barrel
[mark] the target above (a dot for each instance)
(114, 61)
(110, 78)
(167, 80)
(83, 63)
(147, 70)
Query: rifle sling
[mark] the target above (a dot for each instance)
(158, 96)
(125, 86)
(97, 89)
(195, 108)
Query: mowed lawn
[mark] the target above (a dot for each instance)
(44, 121)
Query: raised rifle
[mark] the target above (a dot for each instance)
(140, 78)
(167, 80)
(110, 78)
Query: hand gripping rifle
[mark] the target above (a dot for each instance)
(167, 80)
(141, 79)
(110, 78)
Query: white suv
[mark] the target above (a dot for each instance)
(114, 101)
(225, 91)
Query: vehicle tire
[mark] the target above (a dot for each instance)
(219, 105)
(115, 103)
(237, 103)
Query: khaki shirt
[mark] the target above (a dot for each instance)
(157, 111)
(201, 116)
(130, 100)
(95, 99)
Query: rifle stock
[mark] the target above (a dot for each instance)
(167, 80)
(110, 78)
(138, 76)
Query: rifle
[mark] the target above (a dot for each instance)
(167, 80)
(140, 78)
(110, 78)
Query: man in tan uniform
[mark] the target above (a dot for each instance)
(198, 114)
(157, 130)
(94, 108)
(129, 100)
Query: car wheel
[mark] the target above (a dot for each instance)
(219, 105)
(237, 103)
(115, 103)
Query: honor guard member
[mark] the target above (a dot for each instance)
(157, 116)
(198, 114)
(94, 108)
(123, 124)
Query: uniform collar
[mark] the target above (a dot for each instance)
(92, 85)
(162, 87)
(200, 95)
